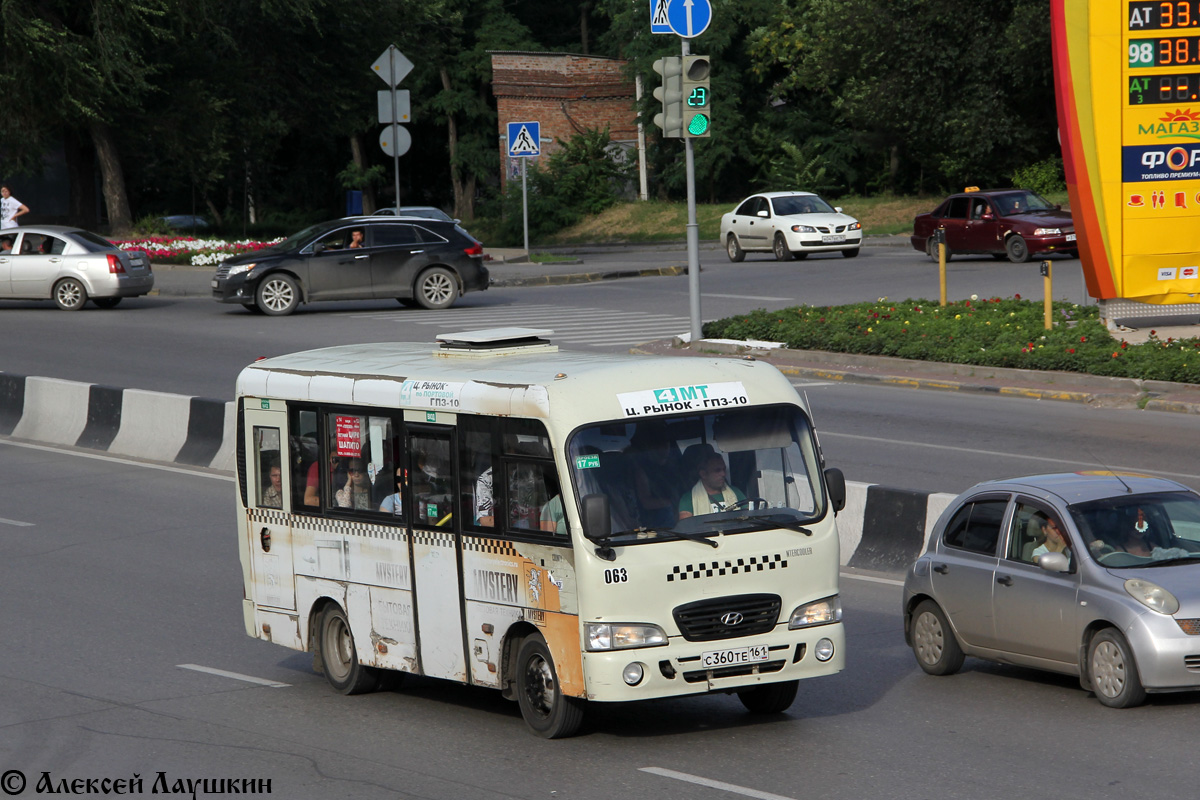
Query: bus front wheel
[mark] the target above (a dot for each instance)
(774, 698)
(547, 711)
(339, 658)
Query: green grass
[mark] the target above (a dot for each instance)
(658, 221)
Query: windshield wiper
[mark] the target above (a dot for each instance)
(696, 537)
(1174, 560)
(762, 523)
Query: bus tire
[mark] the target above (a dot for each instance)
(774, 698)
(547, 711)
(339, 658)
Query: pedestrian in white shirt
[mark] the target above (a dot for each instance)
(10, 208)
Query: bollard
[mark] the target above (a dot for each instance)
(1047, 291)
(940, 237)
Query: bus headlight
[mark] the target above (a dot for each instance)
(818, 612)
(603, 636)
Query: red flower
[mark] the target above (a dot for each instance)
(1071, 350)
(1124, 344)
(1016, 297)
(1115, 355)
(1083, 338)
(1153, 333)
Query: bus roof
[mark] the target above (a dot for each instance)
(525, 380)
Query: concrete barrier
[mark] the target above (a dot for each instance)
(158, 426)
(882, 529)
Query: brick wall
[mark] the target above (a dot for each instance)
(564, 92)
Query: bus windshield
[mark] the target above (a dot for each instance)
(721, 472)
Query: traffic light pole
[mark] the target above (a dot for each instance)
(693, 236)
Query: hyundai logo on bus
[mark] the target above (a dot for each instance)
(732, 618)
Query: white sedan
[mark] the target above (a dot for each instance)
(790, 225)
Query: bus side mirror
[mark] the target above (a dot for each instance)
(835, 483)
(597, 526)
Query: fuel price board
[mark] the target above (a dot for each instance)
(1127, 80)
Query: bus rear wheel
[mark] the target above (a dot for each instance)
(339, 658)
(547, 711)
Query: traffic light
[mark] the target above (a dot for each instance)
(670, 94)
(697, 113)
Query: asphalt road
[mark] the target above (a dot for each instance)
(115, 574)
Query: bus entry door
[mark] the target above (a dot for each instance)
(268, 531)
(435, 544)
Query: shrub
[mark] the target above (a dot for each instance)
(990, 332)
(1044, 177)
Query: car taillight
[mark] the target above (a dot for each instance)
(115, 266)
(474, 250)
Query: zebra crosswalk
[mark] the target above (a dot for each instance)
(572, 325)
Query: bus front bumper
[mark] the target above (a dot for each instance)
(677, 670)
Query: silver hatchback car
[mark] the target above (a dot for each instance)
(1089, 574)
(69, 266)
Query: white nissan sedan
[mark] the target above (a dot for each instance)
(790, 225)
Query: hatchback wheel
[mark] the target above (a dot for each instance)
(1113, 671)
(436, 288)
(69, 294)
(277, 295)
(782, 251)
(1018, 251)
(933, 642)
(735, 251)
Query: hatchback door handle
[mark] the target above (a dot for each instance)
(941, 569)
(356, 258)
(1006, 580)
(414, 252)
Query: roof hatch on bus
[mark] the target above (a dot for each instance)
(495, 342)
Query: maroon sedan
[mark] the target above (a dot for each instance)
(1005, 223)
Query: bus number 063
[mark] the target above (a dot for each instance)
(617, 575)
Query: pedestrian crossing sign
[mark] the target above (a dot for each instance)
(658, 17)
(524, 139)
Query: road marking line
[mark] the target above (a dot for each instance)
(16, 522)
(975, 452)
(726, 787)
(130, 462)
(235, 675)
(749, 297)
(871, 578)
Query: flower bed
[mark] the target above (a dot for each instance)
(187, 250)
(990, 332)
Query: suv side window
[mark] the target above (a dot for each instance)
(426, 236)
(976, 527)
(393, 235)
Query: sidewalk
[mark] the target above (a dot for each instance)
(1072, 387)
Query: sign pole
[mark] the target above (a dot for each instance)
(396, 151)
(693, 236)
(525, 203)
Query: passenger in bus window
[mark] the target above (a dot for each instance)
(272, 496)
(484, 512)
(711, 493)
(392, 504)
(656, 475)
(554, 519)
(357, 491)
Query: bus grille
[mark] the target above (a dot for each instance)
(713, 618)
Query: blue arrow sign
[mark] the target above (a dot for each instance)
(658, 17)
(689, 18)
(524, 139)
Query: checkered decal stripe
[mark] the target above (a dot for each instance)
(271, 516)
(492, 546)
(711, 569)
(433, 538)
(337, 526)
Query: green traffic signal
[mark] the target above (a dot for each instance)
(698, 125)
(697, 71)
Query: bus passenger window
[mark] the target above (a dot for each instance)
(530, 488)
(269, 485)
(432, 484)
(477, 499)
(303, 452)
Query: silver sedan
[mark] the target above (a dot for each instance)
(70, 266)
(1095, 575)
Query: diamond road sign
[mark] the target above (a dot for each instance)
(383, 66)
